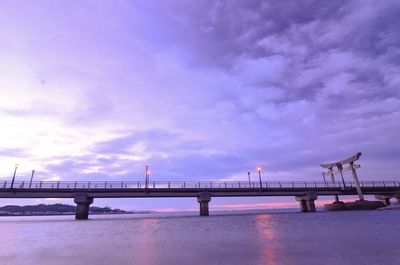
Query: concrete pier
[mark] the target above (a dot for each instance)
(307, 202)
(82, 206)
(203, 199)
(303, 206)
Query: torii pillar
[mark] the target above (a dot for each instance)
(333, 180)
(355, 177)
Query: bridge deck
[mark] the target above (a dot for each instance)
(124, 189)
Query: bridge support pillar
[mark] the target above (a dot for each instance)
(310, 205)
(203, 199)
(303, 206)
(82, 206)
(307, 202)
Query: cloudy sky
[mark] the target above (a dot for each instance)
(198, 90)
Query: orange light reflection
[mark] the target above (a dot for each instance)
(267, 235)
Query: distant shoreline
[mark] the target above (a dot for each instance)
(57, 210)
(56, 214)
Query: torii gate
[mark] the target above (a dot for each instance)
(331, 171)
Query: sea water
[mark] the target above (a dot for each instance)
(279, 238)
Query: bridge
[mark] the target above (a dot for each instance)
(305, 192)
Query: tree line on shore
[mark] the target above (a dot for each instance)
(53, 209)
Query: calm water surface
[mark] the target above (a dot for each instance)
(366, 237)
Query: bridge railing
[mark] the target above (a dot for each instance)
(189, 184)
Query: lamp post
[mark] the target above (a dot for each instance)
(15, 172)
(147, 177)
(259, 176)
(30, 183)
(248, 174)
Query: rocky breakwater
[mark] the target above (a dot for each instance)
(354, 206)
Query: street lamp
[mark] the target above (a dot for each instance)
(248, 174)
(15, 172)
(147, 176)
(259, 176)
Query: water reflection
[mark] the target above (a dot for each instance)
(267, 235)
(277, 239)
(147, 251)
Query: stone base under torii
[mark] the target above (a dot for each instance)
(352, 206)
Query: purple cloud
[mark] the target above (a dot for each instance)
(199, 90)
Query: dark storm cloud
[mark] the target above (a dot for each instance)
(220, 31)
(333, 63)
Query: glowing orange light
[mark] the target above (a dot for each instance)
(258, 168)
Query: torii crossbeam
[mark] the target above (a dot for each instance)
(340, 169)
